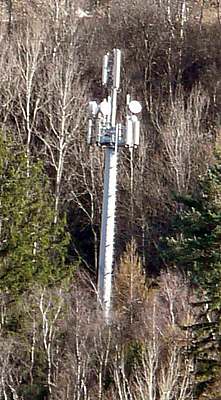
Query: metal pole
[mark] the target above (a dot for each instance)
(106, 254)
(107, 231)
(103, 130)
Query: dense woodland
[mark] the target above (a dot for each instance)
(164, 339)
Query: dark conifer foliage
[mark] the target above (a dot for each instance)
(196, 250)
(197, 247)
(33, 248)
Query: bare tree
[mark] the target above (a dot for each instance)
(184, 138)
(50, 311)
(130, 289)
(28, 49)
(63, 115)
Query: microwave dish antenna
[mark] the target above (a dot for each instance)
(135, 107)
(105, 108)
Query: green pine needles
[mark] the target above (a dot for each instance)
(195, 248)
(32, 248)
(196, 245)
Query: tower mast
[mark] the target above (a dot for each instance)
(104, 131)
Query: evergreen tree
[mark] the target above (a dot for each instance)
(196, 244)
(196, 248)
(32, 248)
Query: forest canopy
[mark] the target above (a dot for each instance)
(163, 342)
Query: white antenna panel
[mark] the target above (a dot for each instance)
(119, 127)
(89, 132)
(116, 69)
(98, 127)
(105, 69)
(109, 116)
(136, 132)
(93, 108)
(129, 133)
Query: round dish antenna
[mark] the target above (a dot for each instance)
(134, 107)
(105, 108)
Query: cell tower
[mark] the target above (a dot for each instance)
(104, 131)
